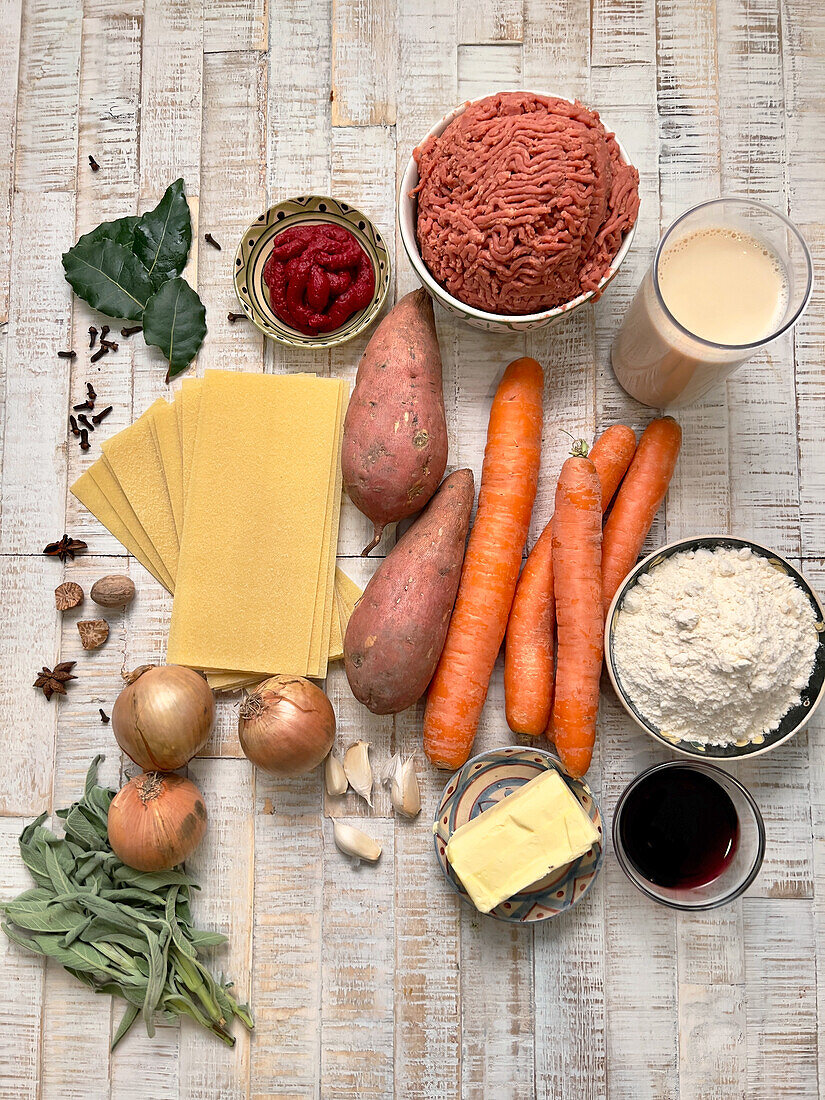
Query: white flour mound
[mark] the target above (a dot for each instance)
(715, 646)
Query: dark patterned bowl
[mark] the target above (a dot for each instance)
(256, 245)
(485, 780)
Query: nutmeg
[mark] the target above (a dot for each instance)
(93, 632)
(68, 595)
(115, 590)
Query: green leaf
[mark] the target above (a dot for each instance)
(40, 916)
(109, 277)
(151, 880)
(175, 321)
(126, 1021)
(162, 237)
(121, 231)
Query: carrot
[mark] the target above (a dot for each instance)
(577, 575)
(491, 565)
(638, 501)
(528, 657)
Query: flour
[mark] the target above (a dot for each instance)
(715, 646)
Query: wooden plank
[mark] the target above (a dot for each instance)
(780, 991)
(11, 12)
(21, 982)
(557, 46)
(623, 34)
(486, 69)
(46, 138)
(76, 1029)
(364, 48)
(490, 21)
(223, 866)
(232, 195)
(357, 1025)
(235, 27)
(287, 950)
(144, 1068)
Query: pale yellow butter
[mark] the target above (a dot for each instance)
(537, 829)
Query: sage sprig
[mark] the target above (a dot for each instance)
(123, 269)
(120, 931)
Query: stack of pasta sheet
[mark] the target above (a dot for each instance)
(231, 497)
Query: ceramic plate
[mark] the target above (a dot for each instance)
(256, 245)
(485, 780)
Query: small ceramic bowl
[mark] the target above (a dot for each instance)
(489, 322)
(485, 780)
(793, 721)
(256, 245)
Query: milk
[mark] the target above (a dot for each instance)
(713, 296)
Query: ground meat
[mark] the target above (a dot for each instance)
(522, 203)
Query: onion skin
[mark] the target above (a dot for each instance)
(163, 717)
(156, 821)
(287, 726)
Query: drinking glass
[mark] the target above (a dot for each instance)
(659, 361)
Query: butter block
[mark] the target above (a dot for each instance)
(533, 831)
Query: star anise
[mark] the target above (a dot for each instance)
(52, 681)
(65, 548)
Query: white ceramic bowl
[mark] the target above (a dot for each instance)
(490, 322)
(793, 721)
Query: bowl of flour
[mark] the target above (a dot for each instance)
(716, 647)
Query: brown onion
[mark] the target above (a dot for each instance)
(163, 716)
(156, 821)
(287, 726)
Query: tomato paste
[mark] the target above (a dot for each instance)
(318, 276)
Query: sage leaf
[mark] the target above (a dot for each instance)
(109, 277)
(206, 939)
(40, 916)
(121, 231)
(126, 1021)
(151, 880)
(162, 237)
(174, 320)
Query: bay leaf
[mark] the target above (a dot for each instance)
(109, 277)
(162, 237)
(121, 230)
(174, 320)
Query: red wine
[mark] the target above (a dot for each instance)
(679, 828)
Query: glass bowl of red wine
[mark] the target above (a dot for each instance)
(688, 835)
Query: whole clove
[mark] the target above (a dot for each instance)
(84, 439)
(67, 355)
(95, 167)
(92, 336)
(90, 393)
(233, 317)
(73, 426)
(82, 406)
(86, 422)
(101, 415)
(101, 351)
(104, 717)
(110, 345)
(130, 330)
(211, 240)
(104, 332)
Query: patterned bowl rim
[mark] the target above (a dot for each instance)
(406, 202)
(296, 211)
(578, 786)
(795, 720)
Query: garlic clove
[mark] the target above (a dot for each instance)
(405, 793)
(358, 771)
(389, 769)
(353, 842)
(335, 777)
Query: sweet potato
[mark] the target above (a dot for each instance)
(397, 630)
(394, 451)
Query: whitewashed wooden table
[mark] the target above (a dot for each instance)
(376, 983)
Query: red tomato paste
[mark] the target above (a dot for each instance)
(318, 276)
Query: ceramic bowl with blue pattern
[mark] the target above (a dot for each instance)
(480, 784)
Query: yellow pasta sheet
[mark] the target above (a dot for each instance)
(251, 584)
(164, 425)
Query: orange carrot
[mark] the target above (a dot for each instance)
(491, 565)
(638, 501)
(528, 658)
(577, 576)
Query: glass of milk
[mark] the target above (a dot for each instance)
(729, 276)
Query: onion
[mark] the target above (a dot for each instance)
(156, 821)
(163, 716)
(287, 726)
